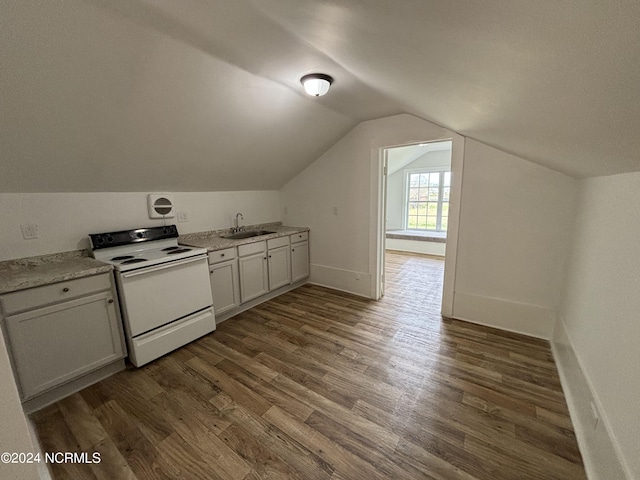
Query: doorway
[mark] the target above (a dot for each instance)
(379, 193)
(418, 187)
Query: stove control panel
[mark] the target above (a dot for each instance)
(128, 237)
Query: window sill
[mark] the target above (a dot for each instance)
(436, 237)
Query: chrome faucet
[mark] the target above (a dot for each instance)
(237, 228)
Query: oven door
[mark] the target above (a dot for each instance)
(157, 295)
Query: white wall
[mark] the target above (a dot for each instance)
(514, 238)
(600, 323)
(14, 434)
(341, 247)
(395, 201)
(514, 225)
(65, 219)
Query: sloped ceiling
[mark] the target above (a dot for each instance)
(400, 157)
(204, 95)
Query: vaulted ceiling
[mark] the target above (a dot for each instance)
(204, 95)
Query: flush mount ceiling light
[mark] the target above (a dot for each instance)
(316, 84)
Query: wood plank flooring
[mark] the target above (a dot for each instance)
(318, 384)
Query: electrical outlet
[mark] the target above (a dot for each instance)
(335, 210)
(29, 231)
(183, 217)
(286, 210)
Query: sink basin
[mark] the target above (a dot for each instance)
(247, 234)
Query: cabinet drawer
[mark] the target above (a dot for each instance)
(56, 292)
(222, 255)
(251, 248)
(277, 242)
(299, 237)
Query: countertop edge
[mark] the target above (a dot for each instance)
(31, 272)
(213, 240)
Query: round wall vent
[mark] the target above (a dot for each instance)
(161, 205)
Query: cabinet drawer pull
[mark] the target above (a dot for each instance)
(222, 254)
(293, 249)
(65, 289)
(111, 300)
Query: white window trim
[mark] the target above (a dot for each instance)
(405, 203)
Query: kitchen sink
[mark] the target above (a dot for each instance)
(247, 234)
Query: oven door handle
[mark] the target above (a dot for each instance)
(162, 266)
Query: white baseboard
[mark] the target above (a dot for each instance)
(531, 320)
(358, 283)
(598, 446)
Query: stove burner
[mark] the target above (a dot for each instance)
(180, 250)
(169, 248)
(134, 260)
(122, 257)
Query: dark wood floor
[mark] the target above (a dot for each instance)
(318, 384)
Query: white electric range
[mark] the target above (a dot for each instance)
(164, 289)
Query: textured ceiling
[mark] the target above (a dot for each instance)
(203, 95)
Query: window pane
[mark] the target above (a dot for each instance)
(426, 191)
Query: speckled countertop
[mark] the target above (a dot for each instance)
(32, 272)
(213, 240)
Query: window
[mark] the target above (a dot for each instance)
(428, 200)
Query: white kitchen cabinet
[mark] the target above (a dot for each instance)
(263, 270)
(279, 260)
(299, 256)
(254, 280)
(60, 332)
(225, 286)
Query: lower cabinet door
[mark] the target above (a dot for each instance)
(56, 344)
(299, 261)
(253, 276)
(279, 267)
(224, 286)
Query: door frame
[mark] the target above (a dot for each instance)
(378, 220)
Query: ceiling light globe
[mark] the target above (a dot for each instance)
(316, 84)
